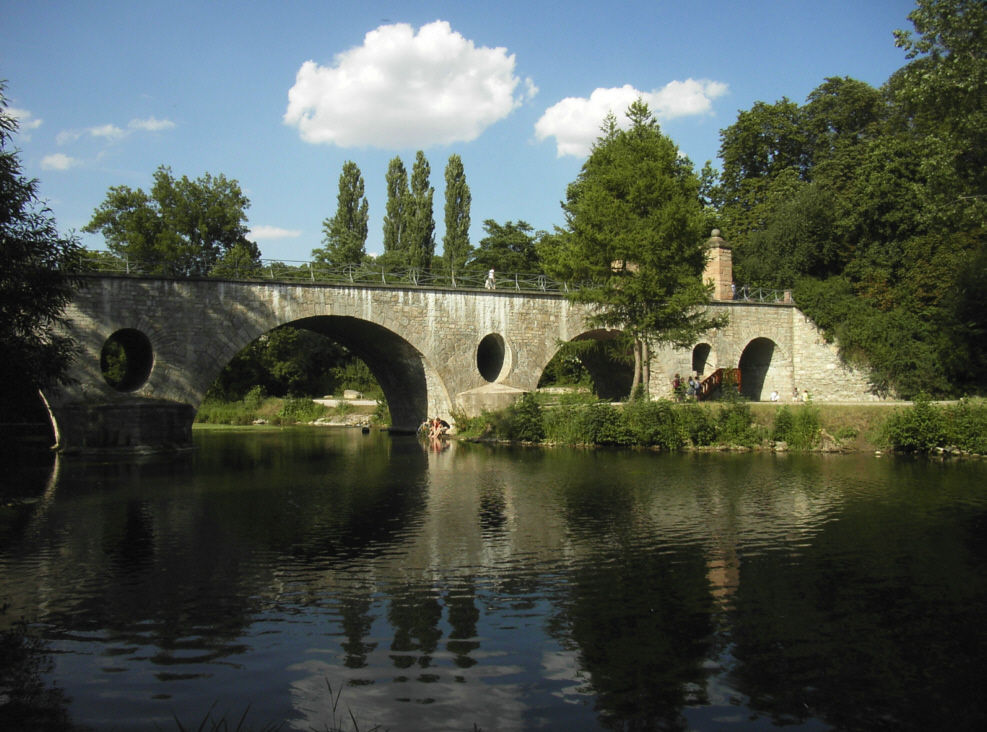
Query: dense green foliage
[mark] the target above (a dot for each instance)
(872, 203)
(509, 247)
(638, 423)
(291, 362)
(928, 427)
(346, 232)
(421, 221)
(182, 227)
(456, 241)
(396, 215)
(634, 236)
(34, 289)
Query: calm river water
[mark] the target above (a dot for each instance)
(512, 589)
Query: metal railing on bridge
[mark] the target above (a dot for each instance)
(104, 262)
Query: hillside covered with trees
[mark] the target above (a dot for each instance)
(872, 205)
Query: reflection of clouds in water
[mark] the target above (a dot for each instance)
(445, 698)
(562, 667)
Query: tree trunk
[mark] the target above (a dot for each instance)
(637, 365)
(646, 367)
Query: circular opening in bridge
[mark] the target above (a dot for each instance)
(491, 357)
(126, 360)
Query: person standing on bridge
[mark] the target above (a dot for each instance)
(490, 284)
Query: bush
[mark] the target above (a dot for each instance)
(524, 420)
(698, 424)
(967, 425)
(654, 423)
(604, 424)
(564, 425)
(800, 429)
(919, 428)
(736, 425)
(294, 410)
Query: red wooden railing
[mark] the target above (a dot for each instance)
(717, 378)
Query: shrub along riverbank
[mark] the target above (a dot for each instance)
(959, 428)
(579, 420)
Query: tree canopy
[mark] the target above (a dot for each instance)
(871, 204)
(509, 247)
(634, 235)
(346, 232)
(182, 227)
(34, 284)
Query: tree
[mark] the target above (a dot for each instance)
(345, 237)
(396, 218)
(182, 227)
(634, 231)
(506, 248)
(421, 222)
(456, 242)
(35, 285)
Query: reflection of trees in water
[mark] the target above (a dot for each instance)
(26, 701)
(852, 643)
(637, 612)
(414, 615)
(463, 617)
(639, 620)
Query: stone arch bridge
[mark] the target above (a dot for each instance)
(433, 350)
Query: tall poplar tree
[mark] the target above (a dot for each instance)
(345, 237)
(635, 233)
(456, 242)
(397, 213)
(421, 230)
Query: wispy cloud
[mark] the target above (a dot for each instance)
(575, 122)
(25, 121)
(114, 133)
(259, 233)
(405, 89)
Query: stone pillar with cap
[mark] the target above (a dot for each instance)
(719, 267)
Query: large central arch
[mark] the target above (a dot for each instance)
(403, 373)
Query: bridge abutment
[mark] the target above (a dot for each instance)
(132, 426)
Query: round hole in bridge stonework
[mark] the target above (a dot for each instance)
(491, 356)
(126, 360)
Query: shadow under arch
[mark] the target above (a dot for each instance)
(755, 364)
(703, 359)
(612, 374)
(399, 367)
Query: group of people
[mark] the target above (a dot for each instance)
(686, 389)
(434, 428)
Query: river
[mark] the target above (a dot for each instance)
(302, 576)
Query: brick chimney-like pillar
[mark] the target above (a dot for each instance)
(719, 267)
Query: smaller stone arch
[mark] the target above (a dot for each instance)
(703, 359)
(763, 369)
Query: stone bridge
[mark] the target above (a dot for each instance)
(433, 351)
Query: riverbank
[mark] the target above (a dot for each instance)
(955, 428)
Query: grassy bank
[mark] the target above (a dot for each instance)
(256, 407)
(959, 428)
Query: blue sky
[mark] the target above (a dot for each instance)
(278, 95)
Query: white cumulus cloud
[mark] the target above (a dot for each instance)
(272, 232)
(402, 89)
(59, 161)
(575, 121)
